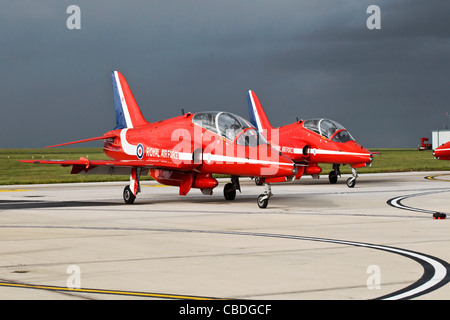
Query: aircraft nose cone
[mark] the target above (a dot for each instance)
(361, 154)
(368, 156)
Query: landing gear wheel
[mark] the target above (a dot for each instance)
(333, 177)
(351, 182)
(229, 192)
(263, 201)
(259, 181)
(128, 195)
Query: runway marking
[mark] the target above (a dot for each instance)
(439, 175)
(155, 185)
(13, 190)
(103, 291)
(397, 201)
(430, 281)
(436, 271)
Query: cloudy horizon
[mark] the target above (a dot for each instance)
(304, 59)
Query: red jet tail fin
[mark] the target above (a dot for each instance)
(128, 114)
(258, 117)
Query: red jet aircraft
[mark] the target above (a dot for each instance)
(311, 142)
(183, 151)
(442, 152)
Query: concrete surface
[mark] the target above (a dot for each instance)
(314, 241)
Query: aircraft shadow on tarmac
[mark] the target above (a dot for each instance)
(280, 201)
(42, 204)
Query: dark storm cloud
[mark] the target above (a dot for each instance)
(388, 86)
(304, 59)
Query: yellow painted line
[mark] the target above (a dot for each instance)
(100, 291)
(13, 190)
(155, 185)
(435, 177)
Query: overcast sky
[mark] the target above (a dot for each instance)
(389, 87)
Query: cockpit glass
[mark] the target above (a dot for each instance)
(312, 125)
(327, 128)
(226, 124)
(205, 120)
(251, 138)
(342, 136)
(229, 126)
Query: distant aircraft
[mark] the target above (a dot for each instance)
(183, 151)
(442, 152)
(310, 142)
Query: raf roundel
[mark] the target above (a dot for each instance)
(140, 151)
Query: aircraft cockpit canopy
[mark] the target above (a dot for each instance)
(329, 129)
(229, 126)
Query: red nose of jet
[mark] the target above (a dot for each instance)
(357, 154)
(441, 155)
(442, 152)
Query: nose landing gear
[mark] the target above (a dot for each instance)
(333, 176)
(229, 191)
(352, 181)
(263, 199)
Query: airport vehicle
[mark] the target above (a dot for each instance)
(310, 142)
(182, 151)
(442, 152)
(424, 145)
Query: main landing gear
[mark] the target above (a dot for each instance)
(128, 195)
(333, 176)
(229, 191)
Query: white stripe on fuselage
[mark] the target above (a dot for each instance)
(128, 148)
(131, 149)
(208, 158)
(322, 151)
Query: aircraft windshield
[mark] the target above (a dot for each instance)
(251, 138)
(327, 128)
(228, 125)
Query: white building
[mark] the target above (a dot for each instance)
(439, 137)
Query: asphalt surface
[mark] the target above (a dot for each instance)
(315, 240)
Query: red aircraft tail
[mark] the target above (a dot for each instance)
(128, 114)
(258, 117)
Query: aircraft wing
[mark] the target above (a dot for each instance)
(116, 167)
